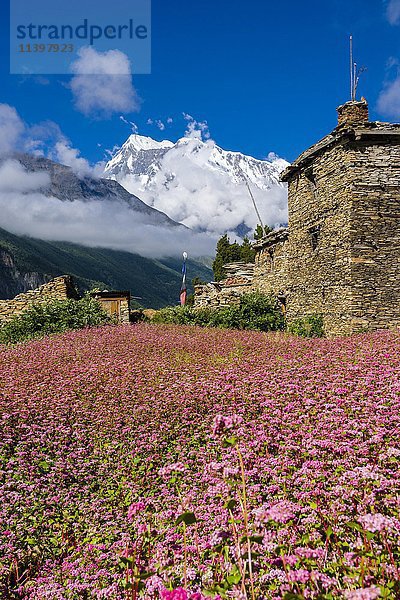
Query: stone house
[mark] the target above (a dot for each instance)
(238, 280)
(340, 254)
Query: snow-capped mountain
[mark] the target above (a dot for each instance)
(199, 184)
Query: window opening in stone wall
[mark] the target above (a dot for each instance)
(312, 181)
(271, 259)
(314, 233)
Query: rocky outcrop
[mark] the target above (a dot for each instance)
(13, 281)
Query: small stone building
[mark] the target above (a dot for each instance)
(340, 255)
(115, 304)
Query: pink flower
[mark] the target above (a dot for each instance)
(375, 522)
(178, 594)
(281, 512)
(135, 508)
(223, 424)
(299, 576)
(363, 594)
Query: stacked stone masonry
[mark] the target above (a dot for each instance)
(340, 255)
(117, 304)
(238, 280)
(59, 288)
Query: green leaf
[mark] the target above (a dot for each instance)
(229, 442)
(355, 525)
(230, 504)
(126, 560)
(187, 517)
(146, 575)
(234, 578)
(257, 539)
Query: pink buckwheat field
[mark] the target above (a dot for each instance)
(179, 463)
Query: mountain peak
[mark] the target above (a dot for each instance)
(142, 142)
(201, 185)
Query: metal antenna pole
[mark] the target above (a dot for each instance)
(254, 203)
(351, 69)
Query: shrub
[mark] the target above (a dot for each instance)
(55, 316)
(255, 311)
(311, 326)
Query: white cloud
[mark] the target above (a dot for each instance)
(26, 210)
(389, 100)
(393, 12)
(66, 155)
(196, 129)
(193, 188)
(42, 139)
(11, 129)
(102, 83)
(14, 178)
(161, 125)
(133, 126)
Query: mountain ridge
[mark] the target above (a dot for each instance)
(199, 184)
(26, 263)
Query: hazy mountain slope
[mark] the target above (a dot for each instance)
(67, 186)
(26, 263)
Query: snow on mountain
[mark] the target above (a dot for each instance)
(199, 184)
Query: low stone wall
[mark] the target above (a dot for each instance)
(239, 277)
(213, 295)
(60, 288)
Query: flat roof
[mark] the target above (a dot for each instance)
(123, 294)
(373, 130)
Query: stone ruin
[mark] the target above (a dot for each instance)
(116, 304)
(238, 281)
(59, 288)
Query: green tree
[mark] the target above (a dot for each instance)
(248, 254)
(228, 252)
(260, 231)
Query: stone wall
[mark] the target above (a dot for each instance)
(343, 251)
(375, 234)
(238, 281)
(271, 265)
(318, 269)
(59, 288)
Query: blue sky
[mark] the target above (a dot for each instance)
(266, 76)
